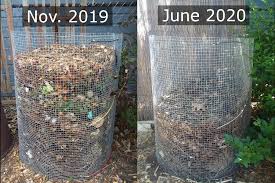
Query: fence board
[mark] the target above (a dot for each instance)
(41, 29)
(27, 29)
(83, 28)
(4, 66)
(67, 28)
(10, 24)
(72, 28)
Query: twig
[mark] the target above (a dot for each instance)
(155, 172)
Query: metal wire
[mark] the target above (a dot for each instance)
(65, 109)
(201, 91)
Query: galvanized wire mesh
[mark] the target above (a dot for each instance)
(201, 91)
(65, 106)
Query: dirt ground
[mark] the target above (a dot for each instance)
(120, 168)
(149, 170)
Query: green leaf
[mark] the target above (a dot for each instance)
(47, 89)
(253, 150)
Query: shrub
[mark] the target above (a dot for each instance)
(259, 143)
(251, 151)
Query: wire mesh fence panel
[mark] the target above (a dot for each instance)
(65, 105)
(201, 91)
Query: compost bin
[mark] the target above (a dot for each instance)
(65, 109)
(201, 91)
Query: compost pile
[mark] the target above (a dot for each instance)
(190, 137)
(65, 108)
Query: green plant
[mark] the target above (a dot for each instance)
(130, 115)
(70, 179)
(47, 89)
(251, 151)
(259, 143)
(66, 106)
(79, 107)
(261, 29)
(127, 81)
(128, 52)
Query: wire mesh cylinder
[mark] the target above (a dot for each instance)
(65, 107)
(201, 91)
